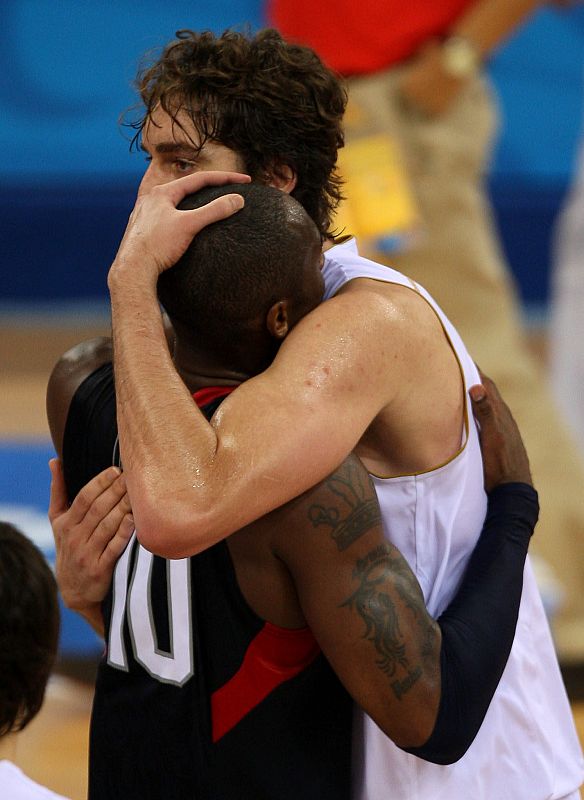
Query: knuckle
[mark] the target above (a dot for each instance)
(82, 502)
(485, 409)
(106, 528)
(94, 515)
(94, 574)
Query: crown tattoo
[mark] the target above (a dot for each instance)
(362, 511)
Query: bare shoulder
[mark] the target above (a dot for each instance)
(362, 312)
(369, 327)
(72, 368)
(398, 303)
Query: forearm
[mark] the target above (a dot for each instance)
(192, 483)
(165, 442)
(487, 23)
(478, 627)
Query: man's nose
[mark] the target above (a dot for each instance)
(148, 181)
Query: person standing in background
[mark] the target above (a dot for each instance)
(415, 74)
(566, 321)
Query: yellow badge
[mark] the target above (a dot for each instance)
(380, 205)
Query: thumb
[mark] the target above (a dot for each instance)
(58, 502)
(481, 405)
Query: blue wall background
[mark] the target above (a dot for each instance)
(67, 180)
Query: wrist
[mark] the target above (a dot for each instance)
(128, 269)
(124, 278)
(514, 500)
(94, 617)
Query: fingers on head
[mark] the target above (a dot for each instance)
(178, 189)
(220, 208)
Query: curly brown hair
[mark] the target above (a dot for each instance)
(29, 628)
(274, 103)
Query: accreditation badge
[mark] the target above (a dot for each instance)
(380, 207)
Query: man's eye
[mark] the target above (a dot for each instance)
(183, 166)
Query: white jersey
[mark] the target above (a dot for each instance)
(14, 785)
(527, 747)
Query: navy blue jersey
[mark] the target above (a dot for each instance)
(196, 696)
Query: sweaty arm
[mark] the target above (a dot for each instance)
(426, 683)
(177, 465)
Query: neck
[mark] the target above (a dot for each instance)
(201, 379)
(8, 747)
(199, 370)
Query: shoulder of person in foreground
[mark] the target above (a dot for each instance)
(72, 368)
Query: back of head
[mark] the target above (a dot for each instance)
(29, 628)
(234, 271)
(274, 103)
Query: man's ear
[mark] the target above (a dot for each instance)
(284, 179)
(277, 321)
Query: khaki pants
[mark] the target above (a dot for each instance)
(459, 261)
(567, 309)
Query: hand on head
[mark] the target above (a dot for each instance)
(158, 233)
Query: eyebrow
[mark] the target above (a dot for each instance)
(174, 147)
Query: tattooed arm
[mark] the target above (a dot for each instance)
(426, 683)
(363, 603)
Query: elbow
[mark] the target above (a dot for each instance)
(160, 541)
(411, 725)
(443, 742)
(177, 521)
(171, 530)
(440, 751)
(413, 731)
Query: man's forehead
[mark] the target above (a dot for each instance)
(160, 127)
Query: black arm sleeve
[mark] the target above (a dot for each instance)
(90, 439)
(478, 627)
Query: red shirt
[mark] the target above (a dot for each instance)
(361, 36)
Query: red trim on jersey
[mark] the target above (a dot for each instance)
(274, 656)
(210, 393)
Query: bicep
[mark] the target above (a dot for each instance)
(364, 605)
(287, 429)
